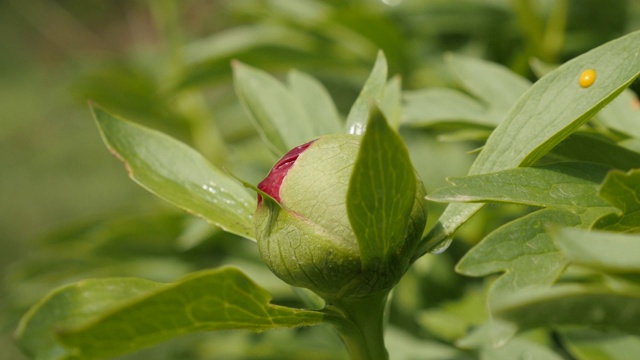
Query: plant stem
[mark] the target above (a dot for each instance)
(360, 322)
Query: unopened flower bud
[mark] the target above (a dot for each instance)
(303, 232)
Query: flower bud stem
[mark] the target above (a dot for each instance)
(360, 323)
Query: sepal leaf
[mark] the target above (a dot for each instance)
(381, 194)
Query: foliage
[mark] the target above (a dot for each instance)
(560, 171)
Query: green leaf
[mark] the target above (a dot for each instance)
(519, 349)
(581, 146)
(68, 306)
(623, 191)
(207, 60)
(623, 114)
(278, 115)
(494, 84)
(610, 252)
(575, 304)
(317, 103)
(235, 40)
(571, 185)
(589, 344)
(428, 107)
(544, 115)
(104, 318)
(178, 174)
(381, 192)
(373, 90)
(523, 250)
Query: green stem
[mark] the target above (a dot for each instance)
(360, 322)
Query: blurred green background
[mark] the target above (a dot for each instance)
(67, 208)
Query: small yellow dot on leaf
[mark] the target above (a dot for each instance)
(587, 78)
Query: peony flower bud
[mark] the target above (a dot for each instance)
(304, 234)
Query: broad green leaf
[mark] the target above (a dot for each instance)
(210, 300)
(523, 250)
(544, 115)
(207, 60)
(71, 306)
(372, 91)
(623, 191)
(278, 115)
(432, 106)
(623, 114)
(497, 86)
(317, 103)
(519, 348)
(571, 185)
(607, 251)
(241, 38)
(381, 192)
(590, 344)
(575, 304)
(582, 146)
(178, 174)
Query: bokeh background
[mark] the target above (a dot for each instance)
(68, 210)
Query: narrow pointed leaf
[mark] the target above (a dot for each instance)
(239, 39)
(151, 313)
(277, 114)
(381, 191)
(207, 60)
(588, 305)
(178, 174)
(623, 114)
(494, 84)
(572, 185)
(587, 147)
(317, 103)
(518, 348)
(543, 116)
(610, 252)
(429, 107)
(591, 344)
(373, 90)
